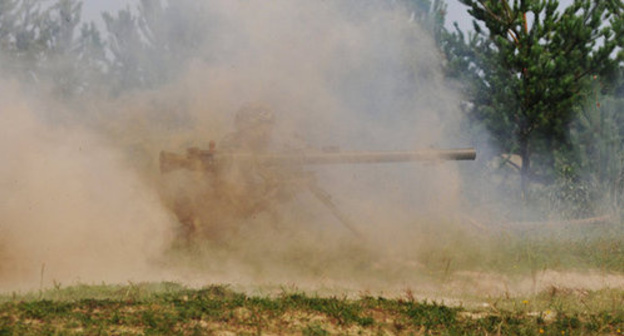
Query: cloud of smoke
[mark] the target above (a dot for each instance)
(367, 79)
(87, 200)
(71, 210)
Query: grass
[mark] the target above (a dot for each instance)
(171, 309)
(524, 250)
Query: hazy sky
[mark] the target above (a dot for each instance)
(93, 9)
(457, 12)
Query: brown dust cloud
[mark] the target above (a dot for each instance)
(82, 199)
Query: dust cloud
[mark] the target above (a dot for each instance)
(83, 201)
(71, 211)
(363, 79)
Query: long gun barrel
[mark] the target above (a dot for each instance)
(196, 159)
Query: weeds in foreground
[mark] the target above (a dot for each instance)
(169, 309)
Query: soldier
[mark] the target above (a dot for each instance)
(249, 188)
(216, 205)
(235, 191)
(253, 129)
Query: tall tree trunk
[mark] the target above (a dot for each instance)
(525, 169)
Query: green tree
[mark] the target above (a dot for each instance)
(152, 46)
(42, 43)
(20, 38)
(430, 13)
(62, 62)
(528, 66)
(7, 21)
(127, 50)
(598, 138)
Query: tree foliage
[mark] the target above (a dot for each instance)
(151, 46)
(529, 66)
(430, 13)
(43, 43)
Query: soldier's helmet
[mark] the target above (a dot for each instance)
(253, 114)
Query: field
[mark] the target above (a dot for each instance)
(171, 309)
(559, 298)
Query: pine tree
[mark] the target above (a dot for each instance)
(529, 64)
(150, 47)
(42, 43)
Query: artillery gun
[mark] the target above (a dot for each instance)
(197, 159)
(288, 168)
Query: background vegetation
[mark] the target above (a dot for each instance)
(545, 82)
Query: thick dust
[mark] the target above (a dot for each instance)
(82, 199)
(71, 211)
(363, 80)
